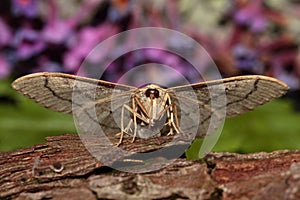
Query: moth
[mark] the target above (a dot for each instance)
(150, 110)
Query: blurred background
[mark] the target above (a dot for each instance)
(242, 37)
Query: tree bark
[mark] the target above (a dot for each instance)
(62, 168)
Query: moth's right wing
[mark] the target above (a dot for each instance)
(73, 94)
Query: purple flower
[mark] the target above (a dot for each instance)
(252, 15)
(27, 8)
(5, 33)
(28, 43)
(86, 41)
(4, 67)
(57, 32)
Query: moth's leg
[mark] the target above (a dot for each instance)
(176, 118)
(141, 106)
(173, 115)
(128, 126)
(176, 128)
(122, 126)
(133, 110)
(167, 105)
(139, 116)
(134, 107)
(145, 113)
(168, 109)
(127, 129)
(164, 105)
(122, 123)
(161, 114)
(169, 123)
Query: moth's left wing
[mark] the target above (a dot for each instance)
(243, 93)
(56, 90)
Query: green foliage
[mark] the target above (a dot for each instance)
(270, 127)
(25, 123)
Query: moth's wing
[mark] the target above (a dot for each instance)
(195, 117)
(243, 93)
(103, 115)
(66, 93)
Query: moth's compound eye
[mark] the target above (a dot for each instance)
(150, 91)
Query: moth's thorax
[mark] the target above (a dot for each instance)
(152, 99)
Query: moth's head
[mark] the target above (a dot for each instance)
(152, 90)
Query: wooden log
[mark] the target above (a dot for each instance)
(62, 168)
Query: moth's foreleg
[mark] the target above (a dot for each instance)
(139, 104)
